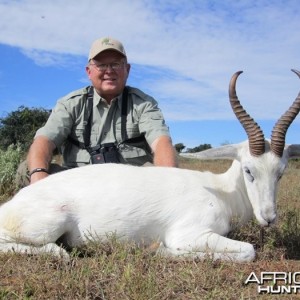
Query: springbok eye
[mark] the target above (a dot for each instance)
(248, 174)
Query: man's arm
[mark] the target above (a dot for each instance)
(164, 152)
(40, 156)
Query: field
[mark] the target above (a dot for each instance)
(117, 271)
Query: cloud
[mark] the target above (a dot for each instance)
(46, 58)
(187, 49)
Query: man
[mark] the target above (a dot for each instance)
(91, 125)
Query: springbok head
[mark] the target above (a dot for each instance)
(264, 165)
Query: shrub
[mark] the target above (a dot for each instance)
(20, 126)
(9, 162)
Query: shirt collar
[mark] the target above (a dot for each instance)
(97, 99)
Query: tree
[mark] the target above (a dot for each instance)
(199, 148)
(179, 147)
(19, 127)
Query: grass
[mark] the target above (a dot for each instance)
(115, 270)
(9, 161)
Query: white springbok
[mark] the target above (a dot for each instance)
(188, 212)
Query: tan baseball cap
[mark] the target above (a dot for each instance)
(106, 43)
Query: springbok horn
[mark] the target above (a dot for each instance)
(255, 134)
(282, 125)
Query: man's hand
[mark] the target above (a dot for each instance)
(40, 156)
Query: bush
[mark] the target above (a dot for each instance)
(9, 162)
(20, 126)
(199, 148)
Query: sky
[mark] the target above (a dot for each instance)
(183, 53)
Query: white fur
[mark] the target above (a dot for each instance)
(188, 212)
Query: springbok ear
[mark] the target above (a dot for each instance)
(293, 150)
(223, 152)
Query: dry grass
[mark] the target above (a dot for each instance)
(123, 271)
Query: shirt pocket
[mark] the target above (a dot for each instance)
(79, 133)
(132, 130)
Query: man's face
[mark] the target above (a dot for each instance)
(108, 73)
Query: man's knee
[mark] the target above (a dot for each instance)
(22, 176)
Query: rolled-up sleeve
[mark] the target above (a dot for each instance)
(58, 126)
(152, 122)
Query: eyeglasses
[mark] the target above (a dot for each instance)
(116, 66)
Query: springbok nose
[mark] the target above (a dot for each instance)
(271, 220)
